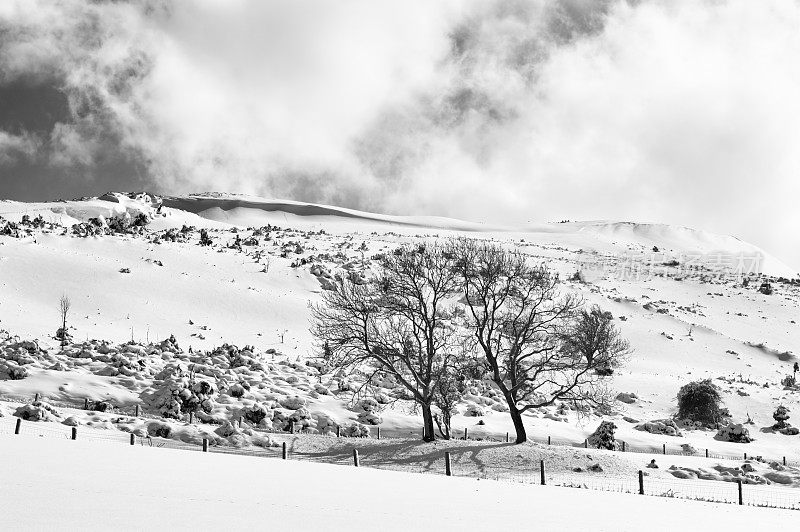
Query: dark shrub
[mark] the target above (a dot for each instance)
(701, 401)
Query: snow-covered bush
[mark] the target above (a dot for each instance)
(701, 401)
(666, 427)
(159, 429)
(355, 430)
(293, 403)
(603, 436)
(37, 411)
(257, 413)
(780, 415)
(474, 411)
(735, 432)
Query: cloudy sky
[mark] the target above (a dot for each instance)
(684, 112)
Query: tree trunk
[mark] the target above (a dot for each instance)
(519, 426)
(427, 422)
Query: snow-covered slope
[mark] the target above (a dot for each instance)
(686, 317)
(55, 484)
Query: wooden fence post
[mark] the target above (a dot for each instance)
(447, 468)
(586, 443)
(465, 433)
(741, 500)
(74, 433)
(86, 403)
(506, 437)
(19, 425)
(205, 445)
(745, 456)
(355, 457)
(623, 446)
(641, 482)
(284, 454)
(541, 471)
(191, 418)
(784, 460)
(338, 431)
(36, 398)
(137, 411)
(706, 453)
(548, 440)
(133, 439)
(379, 433)
(664, 447)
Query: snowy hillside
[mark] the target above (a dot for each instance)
(689, 302)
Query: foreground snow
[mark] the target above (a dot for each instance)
(71, 485)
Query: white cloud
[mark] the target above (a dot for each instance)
(675, 111)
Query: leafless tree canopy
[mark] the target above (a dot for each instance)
(519, 320)
(434, 311)
(399, 322)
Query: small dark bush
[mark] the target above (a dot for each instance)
(701, 401)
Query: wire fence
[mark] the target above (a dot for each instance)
(736, 490)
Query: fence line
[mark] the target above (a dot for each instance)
(733, 492)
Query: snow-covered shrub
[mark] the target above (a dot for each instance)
(788, 381)
(627, 398)
(603, 436)
(37, 411)
(701, 401)
(237, 391)
(256, 413)
(293, 402)
(355, 430)
(474, 411)
(735, 432)
(780, 415)
(159, 429)
(666, 427)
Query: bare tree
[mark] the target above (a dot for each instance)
(518, 320)
(64, 304)
(399, 322)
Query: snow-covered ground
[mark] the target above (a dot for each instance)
(72, 485)
(683, 307)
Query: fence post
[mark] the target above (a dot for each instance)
(379, 433)
(133, 439)
(447, 468)
(745, 456)
(86, 403)
(784, 460)
(74, 433)
(623, 446)
(548, 440)
(465, 433)
(355, 457)
(291, 429)
(664, 448)
(706, 453)
(586, 443)
(741, 500)
(19, 425)
(541, 471)
(191, 418)
(36, 398)
(137, 411)
(205, 445)
(284, 451)
(641, 482)
(506, 437)
(338, 431)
